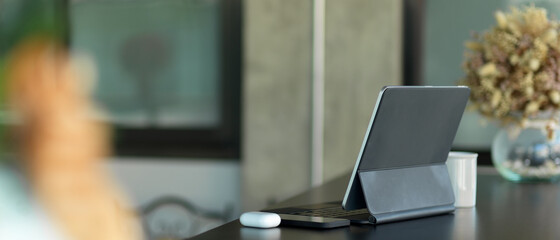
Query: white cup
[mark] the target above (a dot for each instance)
(462, 171)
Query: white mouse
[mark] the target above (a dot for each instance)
(260, 219)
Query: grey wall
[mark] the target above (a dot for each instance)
(362, 54)
(276, 100)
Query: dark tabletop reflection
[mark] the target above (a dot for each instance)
(260, 234)
(437, 227)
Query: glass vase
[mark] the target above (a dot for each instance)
(528, 154)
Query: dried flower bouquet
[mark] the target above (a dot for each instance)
(513, 69)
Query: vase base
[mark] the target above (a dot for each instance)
(528, 174)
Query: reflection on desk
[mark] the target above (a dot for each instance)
(438, 227)
(504, 210)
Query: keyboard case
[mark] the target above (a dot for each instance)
(401, 172)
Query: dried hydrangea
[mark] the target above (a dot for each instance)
(513, 69)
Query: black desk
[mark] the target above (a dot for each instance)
(504, 210)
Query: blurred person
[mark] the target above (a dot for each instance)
(62, 146)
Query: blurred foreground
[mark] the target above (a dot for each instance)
(61, 148)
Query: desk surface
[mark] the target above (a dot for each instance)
(504, 210)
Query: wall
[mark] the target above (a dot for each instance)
(276, 100)
(362, 54)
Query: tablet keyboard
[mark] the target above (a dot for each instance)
(328, 210)
(332, 212)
